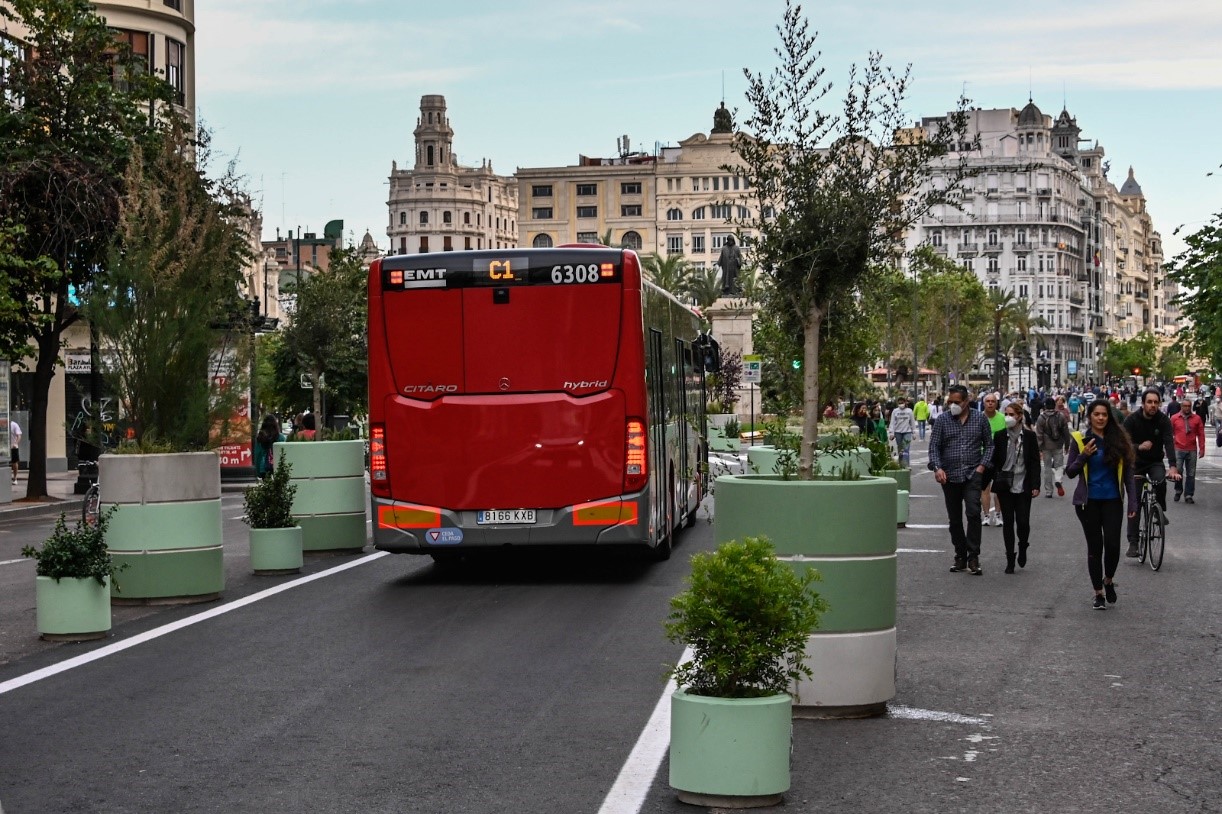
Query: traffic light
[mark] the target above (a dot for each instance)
(797, 364)
(1136, 371)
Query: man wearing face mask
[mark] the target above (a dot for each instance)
(960, 451)
(1153, 439)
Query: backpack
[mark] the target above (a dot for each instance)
(1054, 427)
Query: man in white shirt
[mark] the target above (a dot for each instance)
(14, 436)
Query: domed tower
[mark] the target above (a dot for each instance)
(1065, 137)
(434, 136)
(1032, 129)
(1130, 188)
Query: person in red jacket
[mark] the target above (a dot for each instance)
(1189, 432)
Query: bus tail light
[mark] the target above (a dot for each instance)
(636, 469)
(379, 476)
(408, 516)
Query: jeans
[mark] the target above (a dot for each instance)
(1015, 511)
(960, 498)
(921, 427)
(1157, 472)
(903, 440)
(1100, 521)
(1186, 463)
(1054, 467)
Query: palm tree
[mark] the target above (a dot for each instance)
(704, 286)
(1001, 303)
(670, 272)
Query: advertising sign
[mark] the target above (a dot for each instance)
(752, 368)
(235, 450)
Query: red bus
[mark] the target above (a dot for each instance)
(531, 397)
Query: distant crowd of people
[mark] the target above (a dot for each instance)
(303, 426)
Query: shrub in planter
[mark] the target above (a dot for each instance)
(746, 617)
(275, 537)
(76, 553)
(75, 571)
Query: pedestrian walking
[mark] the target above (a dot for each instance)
(14, 439)
(991, 506)
(1075, 410)
(1015, 478)
(878, 424)
(902, 427)
(269, 433)
(861, 418)
(1053, 433)
(1215, 412)
(1189, 432)
(960, 451)
(1153, 442)
(935, 409)
(920, 411)
(1103, 462)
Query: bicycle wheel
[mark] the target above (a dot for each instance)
(1157, 540)
(1143, 529)
(92, 506)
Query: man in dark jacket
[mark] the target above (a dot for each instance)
(1154, 442)
(960, 452)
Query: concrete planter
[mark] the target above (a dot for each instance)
(730, 752)
(718, 420)
(762, 460)
(275, 551)
(168, 526)
(903, 488)
(719, 443)
(845, 529)
(72, 610)
(331, 495)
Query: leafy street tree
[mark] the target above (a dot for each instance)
(19, 276)
(953, 315)
(1198, 271)
(844, 186)
(327, 332)
(75, 104)
(172, 276)
(1004, 309)
(1123, 357)
(1171, 363)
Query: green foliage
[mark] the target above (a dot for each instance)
(76, 553)
(846, 472)
(787, 443)
(1171, 363)
(746, 617)
(145, 445)
(722, 386)
(173, 275)
(953, 313)
(669, 273)
(731, 428)
(843, 186)
(1123, 355)
(880, 454)
(703, 286)
(840, 441)
(20, 277)
(1198, 272)
(268, 504)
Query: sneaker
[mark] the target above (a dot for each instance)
(960, 565)
(973, 565)
(1109, 589)
(1178, 495)
(994, 519)
(1186, 500)
(1060, 490)
(1100, 604)
(1048, 494)
(1132, 552)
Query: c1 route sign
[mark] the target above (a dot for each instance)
(752, 364)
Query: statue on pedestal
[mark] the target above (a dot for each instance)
(730, 260)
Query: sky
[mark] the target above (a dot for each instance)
(314, 99)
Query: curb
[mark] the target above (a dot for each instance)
(68, 507)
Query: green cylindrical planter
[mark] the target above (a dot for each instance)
(762, 459)
(72, 610)
(331, 495)
(901, 507)
(846, 530)
(903, 486)
(831, 463)
(275, 551)
(167, 529)
(730, 752)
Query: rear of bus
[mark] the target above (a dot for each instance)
(507, 400)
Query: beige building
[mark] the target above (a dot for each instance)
(440, 205)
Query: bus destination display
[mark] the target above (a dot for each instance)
(502, 271)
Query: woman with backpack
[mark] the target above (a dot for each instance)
(269, 434)
(1052, 432)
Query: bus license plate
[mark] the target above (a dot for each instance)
(498, 516)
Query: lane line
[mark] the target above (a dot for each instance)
(927, 526)
(635, 779)
(919, 551)
(156, 633)
(914, 714)
(10, 562)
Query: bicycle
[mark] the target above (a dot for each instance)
(91, 507)
(1151, 528)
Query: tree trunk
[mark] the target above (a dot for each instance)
(810, 393)
(316, 378)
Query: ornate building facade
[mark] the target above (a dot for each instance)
(440, 205)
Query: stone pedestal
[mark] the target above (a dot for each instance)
(731, 319)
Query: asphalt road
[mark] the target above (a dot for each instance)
(397, 686)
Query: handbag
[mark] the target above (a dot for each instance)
(1003, 481)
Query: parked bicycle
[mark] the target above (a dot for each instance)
(91, 508)
(1151, 526)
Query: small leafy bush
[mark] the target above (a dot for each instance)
(847, 471)
(787, 443)
(839, 442)
(76, 553)
(880, 454)
(269, 503)
(746, 617)
(731, 430)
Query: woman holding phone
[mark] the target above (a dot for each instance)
(1103, 457)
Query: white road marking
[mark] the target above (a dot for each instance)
(10, 562)
(635, 779)
(927, 526)
(156, 633)
(919, 551)
(914, 714)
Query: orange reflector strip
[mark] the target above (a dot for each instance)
(610, 513)
(396, 277)
(606, 270)
(408, 517)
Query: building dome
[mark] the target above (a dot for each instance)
(1030, 116)
(1131, 188)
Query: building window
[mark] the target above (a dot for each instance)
(466, 243)
(281, 252)
(1022, 264)
(446, 218)
(632, 240)
(424, 218)
(695, 185)
(447, 245)
(587, 211)
(541, 191)
(542, 242)
(992, 266)
(698, 214)
(174, 4)
(674, 244)
(674, 214)
(138, 46)
(935, 238)
(424, 245)
(587, 189)
(466, 219)
(719, 241)
(175, 62)
(429, 151)
(767, 213)
(1020, 237)
(992, 237)
(744, 213)
(402, 245)
(967, 264)
(719, 211)
(630, 211)
(541, 213)
(587, 237)
(630, 188)
(1022, 291)
(697, 244)
(402, 218)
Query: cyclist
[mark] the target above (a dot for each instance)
(1154, 441)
